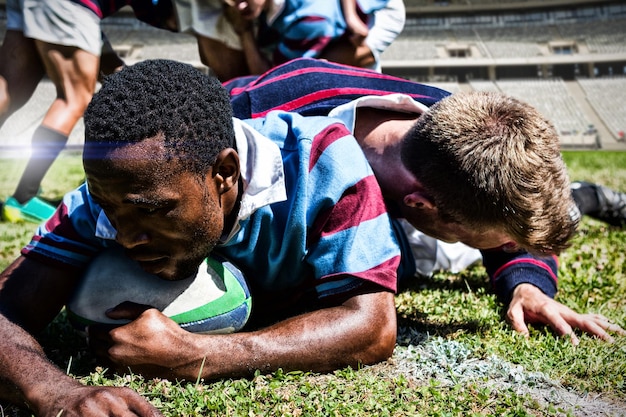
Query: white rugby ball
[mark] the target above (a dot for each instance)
(216, 300)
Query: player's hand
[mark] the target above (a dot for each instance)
(78, 400)
(240, 22)
(530, 305)
(358, 32)
(151, 344)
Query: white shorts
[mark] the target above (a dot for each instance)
(385, 27)
(433, 255)
(206, 18)
(58, 22)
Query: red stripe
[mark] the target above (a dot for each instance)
(350, 211)
(318, 96)
(324, 139)
(311, 19)
(93, 7)
(356, 72)
(384, 274)
(306, 45)
(60, 224)
(531, 261)
(345, 72)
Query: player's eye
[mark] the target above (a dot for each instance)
(149, 210)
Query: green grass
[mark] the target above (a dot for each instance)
(455, 356)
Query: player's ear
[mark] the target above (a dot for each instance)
(418, 199)
(226, 170)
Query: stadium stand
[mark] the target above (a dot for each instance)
(556, 55)
(483, 85)
(552, 99)
(608, 98)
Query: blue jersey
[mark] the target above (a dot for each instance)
(303, 28)
(327, 237)
(315, 87)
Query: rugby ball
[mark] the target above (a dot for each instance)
(216, 300)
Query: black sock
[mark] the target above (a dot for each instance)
(586, 197)
(46, 146)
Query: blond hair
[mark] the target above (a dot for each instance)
(490, 160)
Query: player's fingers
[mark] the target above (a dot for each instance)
(597, 329)
(99, 340)
(127, 311)
(600, 326)
(617, 329)
(515, 317)
(609, 326)
(598, 317)
(561, 326)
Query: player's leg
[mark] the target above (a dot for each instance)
(20, 66)
(110, 61)
(70, 55)
(600, 202)
(74, 73)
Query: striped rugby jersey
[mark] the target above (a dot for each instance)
(324, 235)
(303, 28)
(315, 87)
(331, 234)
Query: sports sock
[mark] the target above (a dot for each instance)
(46, 146)
(586, 197)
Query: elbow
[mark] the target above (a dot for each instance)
(384, 343)
(381, 338)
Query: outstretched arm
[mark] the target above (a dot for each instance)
(527, 285)
(530, 305)
(30, 296)
(362, 330)
(357, 29)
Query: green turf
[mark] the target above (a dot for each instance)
(455, 356)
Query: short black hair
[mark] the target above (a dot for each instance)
(191, 110)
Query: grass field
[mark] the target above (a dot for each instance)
(455, 355)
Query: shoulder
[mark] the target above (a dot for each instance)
(279, 124)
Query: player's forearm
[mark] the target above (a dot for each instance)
(257, 64)
(322, 340)
(26, 374)
(508, 270)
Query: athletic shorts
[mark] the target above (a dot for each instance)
(206, 18)
(58, 22)
(386, 25)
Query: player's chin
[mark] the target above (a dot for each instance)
(176, 271)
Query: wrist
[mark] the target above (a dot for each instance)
(49, 396)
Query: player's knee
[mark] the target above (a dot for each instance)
(5, 99)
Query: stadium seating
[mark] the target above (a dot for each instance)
(608, 98)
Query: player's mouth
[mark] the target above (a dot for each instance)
(151, 264)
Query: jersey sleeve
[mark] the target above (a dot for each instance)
(508, 270)
(68, 238)
(351, 235)
(333, 233)
(314, 87)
